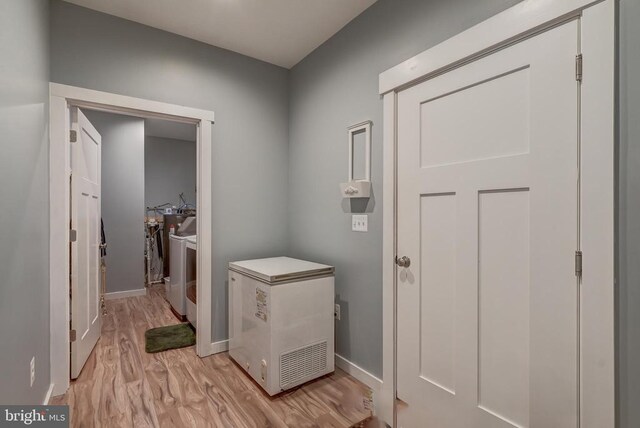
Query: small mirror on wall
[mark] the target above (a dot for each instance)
(359, 155)
(359, 184)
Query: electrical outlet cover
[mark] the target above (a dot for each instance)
(32, 370)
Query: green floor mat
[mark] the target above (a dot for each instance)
(169, 337)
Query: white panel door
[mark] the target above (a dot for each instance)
(487, 215)
(85, 251)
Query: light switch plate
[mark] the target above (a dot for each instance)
(359, 223)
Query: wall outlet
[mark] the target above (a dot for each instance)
(336, 312)
(33, 370)
(359, 223)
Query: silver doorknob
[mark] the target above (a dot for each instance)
(403, 261)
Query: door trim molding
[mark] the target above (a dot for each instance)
(518, 22)
(61, 97)
(597, 308)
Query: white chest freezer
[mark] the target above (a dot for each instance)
(281, 326)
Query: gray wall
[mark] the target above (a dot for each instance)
(24, 195)
(629, 217)
(249, 97)
(122, 197)
(169, 169)
(334, 87)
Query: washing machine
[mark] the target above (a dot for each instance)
(177, 275)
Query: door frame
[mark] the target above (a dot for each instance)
(61, 98)
(597, 148)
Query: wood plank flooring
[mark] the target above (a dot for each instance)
(123, 386)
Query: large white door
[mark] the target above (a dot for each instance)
(487, 215)
(85, 250)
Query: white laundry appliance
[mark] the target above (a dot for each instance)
(191, 283)
(177, 275)
(281, 320)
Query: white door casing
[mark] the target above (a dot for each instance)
(62, 99)
(597, 104)
(85, 250)
(487, 211)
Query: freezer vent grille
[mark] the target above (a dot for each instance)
(302, 364)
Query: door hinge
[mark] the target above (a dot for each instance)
(579, 67)
(73, 136)
(73, 235)
(579, 264)
(72, 335)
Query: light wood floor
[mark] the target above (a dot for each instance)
(123, 386)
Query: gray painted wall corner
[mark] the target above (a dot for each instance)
(332, 88)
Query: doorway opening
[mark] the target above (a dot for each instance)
(164, 122)
(147, 206)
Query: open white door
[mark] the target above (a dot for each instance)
(85, 248)
(488, 298)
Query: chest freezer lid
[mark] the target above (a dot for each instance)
(279, 269)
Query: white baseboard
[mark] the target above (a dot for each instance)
(47, 397)
(123, 294)
(374, 383)
(359, 373)
(218, 347)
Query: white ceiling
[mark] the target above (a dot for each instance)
(168, 129)
(281, 32)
